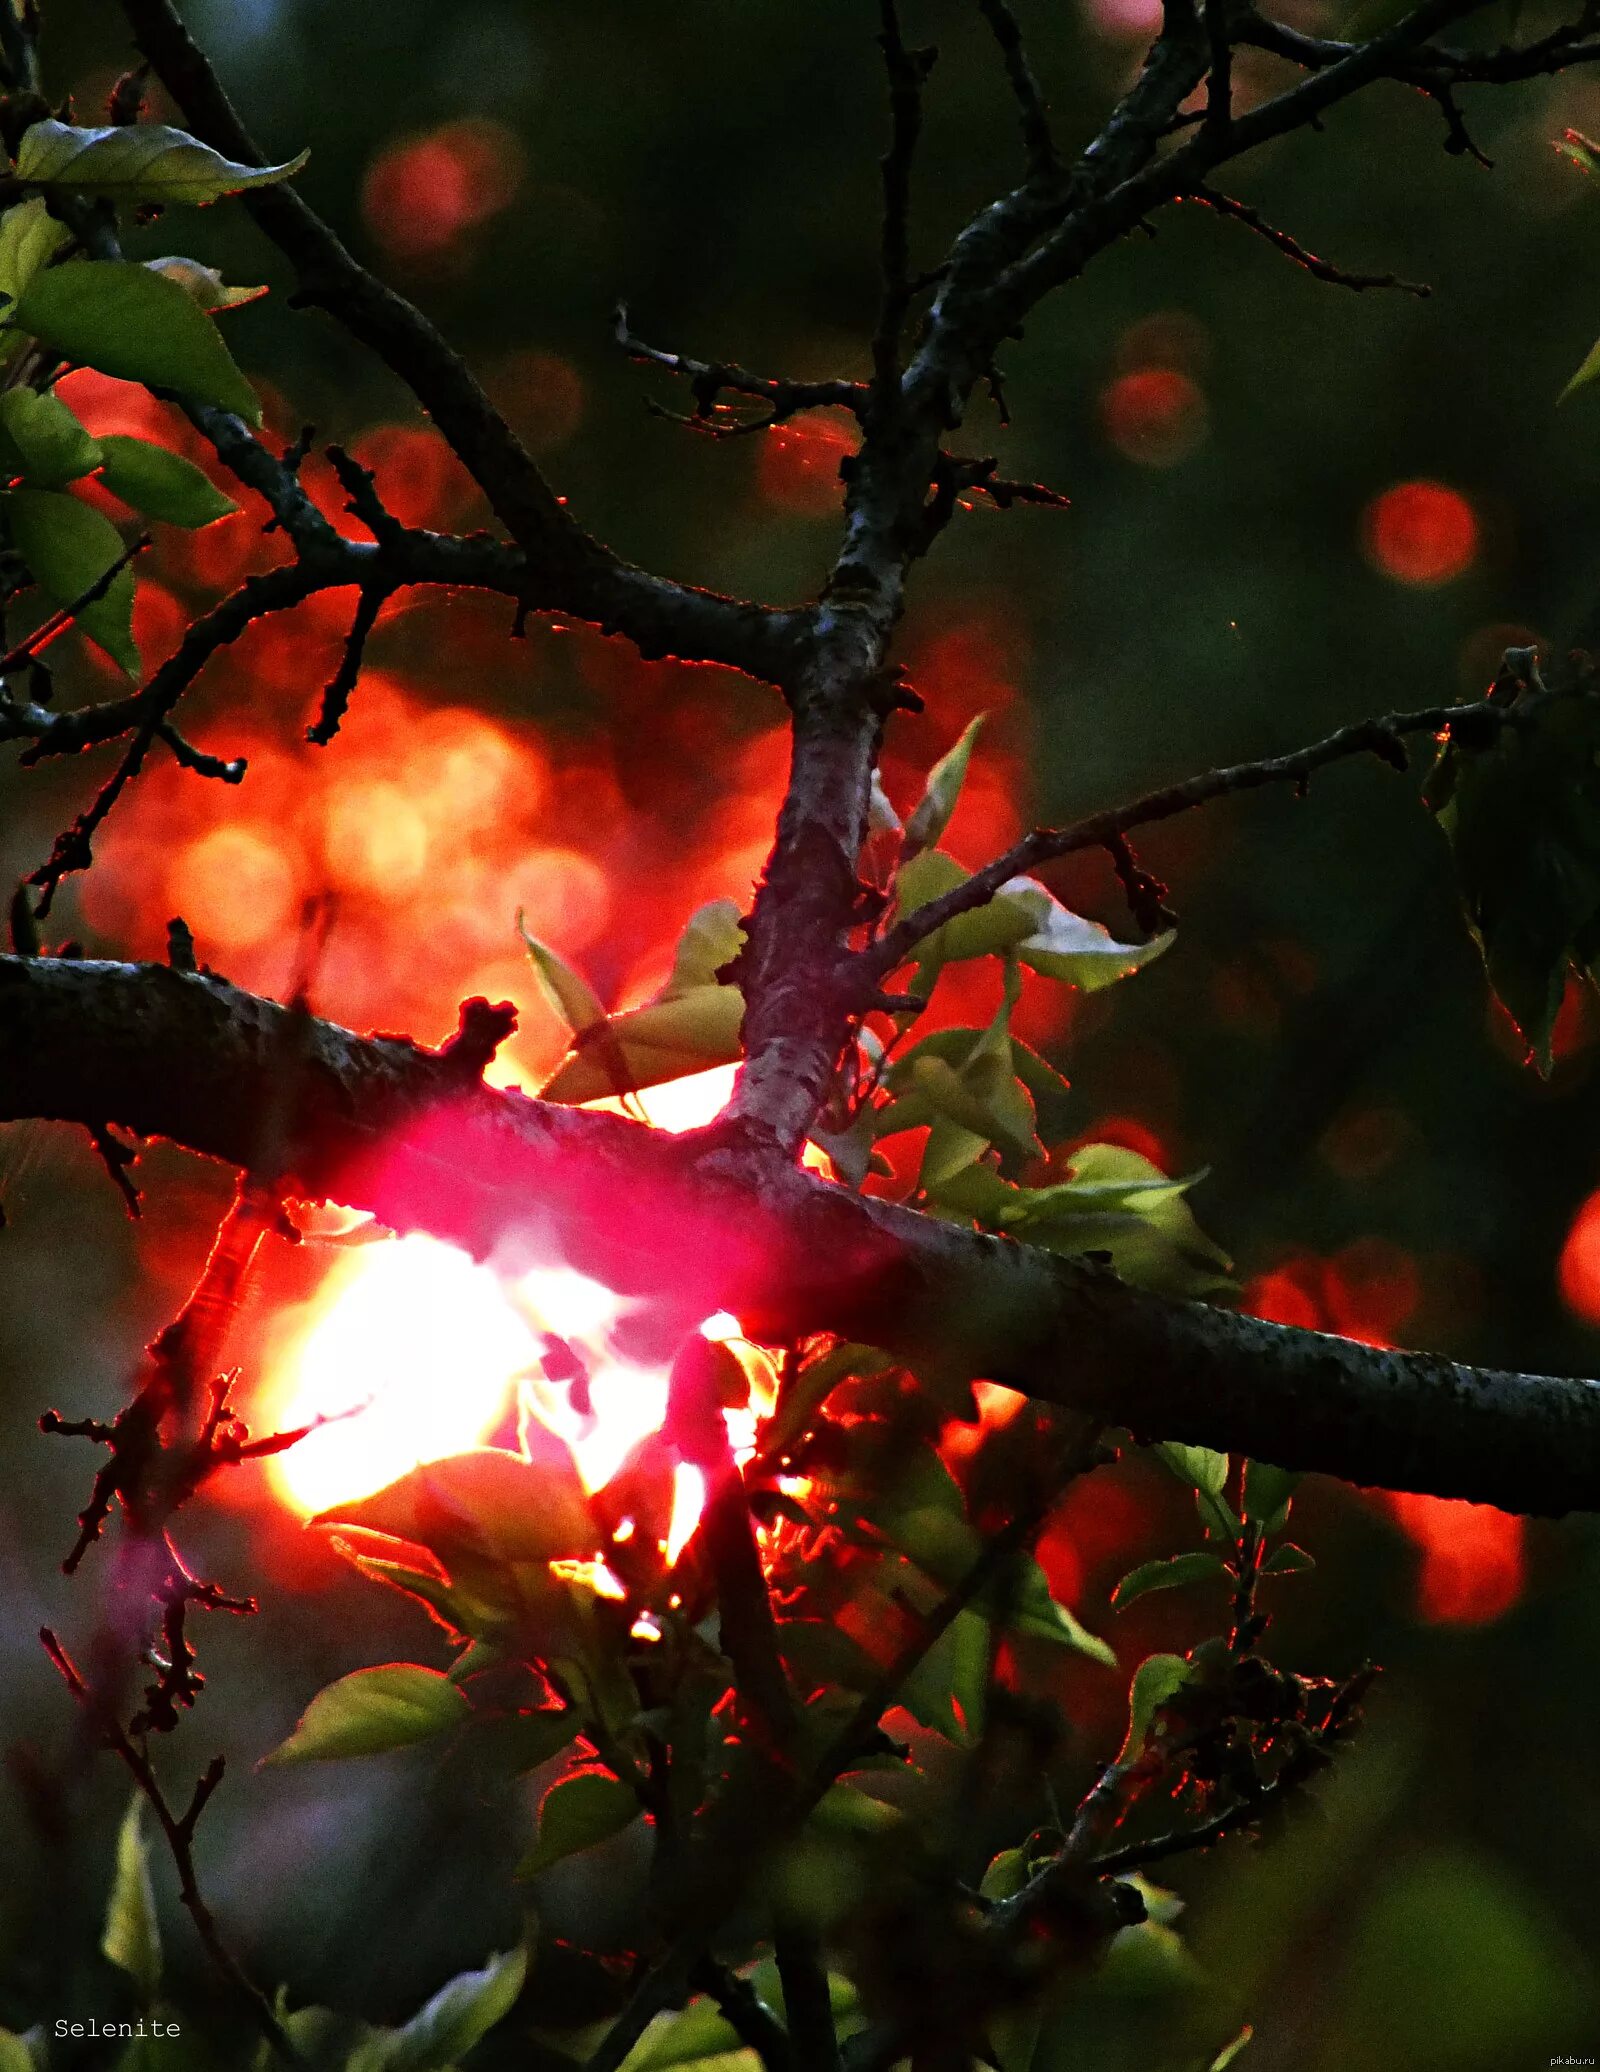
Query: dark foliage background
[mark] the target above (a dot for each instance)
(1320, 1038)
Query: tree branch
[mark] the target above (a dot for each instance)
(705, 1222)
(1384, 738)
(564, 568)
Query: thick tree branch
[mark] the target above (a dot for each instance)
(704, 1222)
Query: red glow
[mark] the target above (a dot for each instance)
(1579, 1269)
(1420, 533)
(422, 192)
(1155, 415)
(1473, 1567)
(799, 465)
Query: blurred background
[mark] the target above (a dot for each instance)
(1291, 506)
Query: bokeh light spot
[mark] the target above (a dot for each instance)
(1420, 533)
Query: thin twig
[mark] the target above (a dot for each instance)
(1319, 269)
(178, 1830)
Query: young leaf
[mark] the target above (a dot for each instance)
(577, 1813)
(572, 997)
(132, 1937)
(712, 937)
(204, 283)
(1287, 1560)
(1165, 1575)
(1199, 1466)
(30, 237)
(1268, 1493)
(44, 438)
(160, 483)
(489, 1501)
(458, 2016)
(68, 548)
(373, 1710)
(138, 325)
(1035, 1611)
(668, 1039)
(1065, 946)
(931, 815)
(137, 162)
(1157, 1678)
(948, 1688)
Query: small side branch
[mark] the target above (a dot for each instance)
(1319, 269)
(906, 69)
(178, 1831)
(1039, 144)
(710, 380)
(1384, 738)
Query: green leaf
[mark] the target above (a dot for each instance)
(1007, 1874)
(572, 997)
(1165, 1575)
(1206, 1473)
(30, 237)
(1198, 1466)
(578, 1813)
(68, 548)
(489, 1501)
(132, 1937)
(45, 440)
(844, 1809)
(15, 2055)
(1287, 1560)
(373, 1710)
(1588, 368)
(1114, 1202)
(1035, 1611)
(931, 815)
(160, 483)
(138, 325)
(712, 937)
(805, 1389)
(137, 162)
(1065, 946)
(699, 2037)
(204, 283)
(1229, 2051)
(948, 1688)
(668, 1039)
(458, 2016)
(1157, 1678)
(1268, 1493)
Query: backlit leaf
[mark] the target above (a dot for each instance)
(1268, 1493)
(668, 1039)
(68, 548)
(1157, 1678)
(489, 1500)
(373, 1710)
(137, 162)
(931, 815)
(30, 237)
(577, 1813)
(131, 1938)
(572, 997)
(160, 483)
(138, 325)
(457, 2017)
(204, 283)
(1287, 1560)
(712, 937)
(1165, 1575)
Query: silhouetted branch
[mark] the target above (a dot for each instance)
(1319, 269)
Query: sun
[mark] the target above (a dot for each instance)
(410, 1351)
